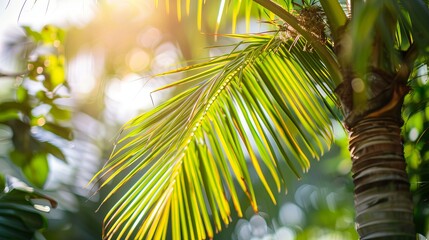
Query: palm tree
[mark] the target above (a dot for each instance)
(269, 103)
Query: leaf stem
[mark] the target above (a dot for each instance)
(326, 56)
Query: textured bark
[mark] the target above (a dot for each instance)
(383, 202)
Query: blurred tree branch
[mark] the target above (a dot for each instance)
(20, 74)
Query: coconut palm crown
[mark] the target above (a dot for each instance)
(270, 102)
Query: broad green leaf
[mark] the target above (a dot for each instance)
(60, 113)
(55, 71)
(35, 35)
(8, 115)
(64, 132)
(19, 158)
(37, 169)
(21, 94)
(13, 106)
(19, 216)
(54, 150)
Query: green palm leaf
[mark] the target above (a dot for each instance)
(226, 9)
(256, 109)
(191, 155)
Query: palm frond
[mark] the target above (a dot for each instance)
(336, 16)
(396, 26)
(271, 9)
(234, 7)
(326, 56)
(191, 155)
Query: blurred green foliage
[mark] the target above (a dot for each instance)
(324, 196)
(416, 145)
(20, 210)
(32, 109)
(35, 106)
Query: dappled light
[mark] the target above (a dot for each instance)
(213, 119)
(291, 214)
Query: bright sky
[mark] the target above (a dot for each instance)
(40, 12)
(126, 96)
(37, 13)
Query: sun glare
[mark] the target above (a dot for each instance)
(111, 43)
(40, 13)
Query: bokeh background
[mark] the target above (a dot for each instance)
(109, 53)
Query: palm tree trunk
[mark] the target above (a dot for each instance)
(383, 202)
